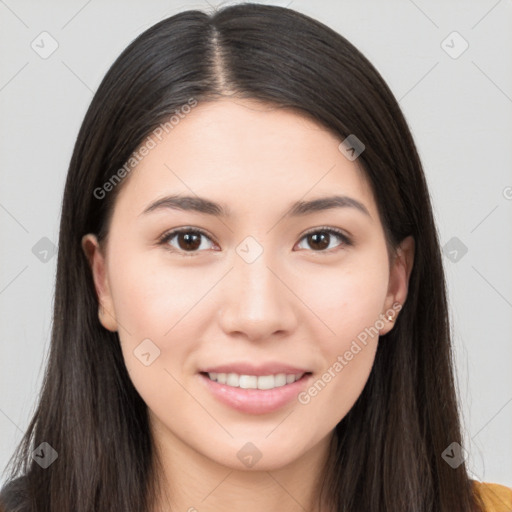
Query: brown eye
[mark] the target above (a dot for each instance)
(185, 240)
(189, 241)
(320, 240)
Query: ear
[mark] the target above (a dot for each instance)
(400, 272)
(96, 258)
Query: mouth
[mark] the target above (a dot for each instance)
(262, 382)
(255, 394)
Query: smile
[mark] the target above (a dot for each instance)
(255, 394)
(236, 380)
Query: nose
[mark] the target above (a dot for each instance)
(258, 301)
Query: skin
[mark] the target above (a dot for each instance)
(295, 303)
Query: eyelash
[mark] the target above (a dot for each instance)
(169, 235)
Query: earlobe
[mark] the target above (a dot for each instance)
(97, 263)
(399, 277)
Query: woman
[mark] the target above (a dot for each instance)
(250, 303)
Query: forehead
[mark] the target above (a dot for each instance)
(246, 154)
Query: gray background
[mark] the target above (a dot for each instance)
(459, 109)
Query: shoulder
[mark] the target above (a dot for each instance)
(13, 496)
(495, 497)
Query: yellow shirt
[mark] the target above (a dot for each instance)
(496, 497)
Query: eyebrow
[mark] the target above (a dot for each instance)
(299, 208)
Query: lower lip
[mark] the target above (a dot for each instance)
(256, 401)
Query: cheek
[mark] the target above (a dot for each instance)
(349, 301)
(156, 302)
(347, 298)
(154, 306)
(151, 295)
(332, 393)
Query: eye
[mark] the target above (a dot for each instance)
(187, 239)
(320, 239)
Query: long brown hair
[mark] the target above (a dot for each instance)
(387, 451)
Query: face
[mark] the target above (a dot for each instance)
(259, 291)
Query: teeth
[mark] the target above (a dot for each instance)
(254, 381)
(248, 381)
(233, 380)
(290, 378)
(266, 382)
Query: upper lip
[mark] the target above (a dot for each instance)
(246, 368)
